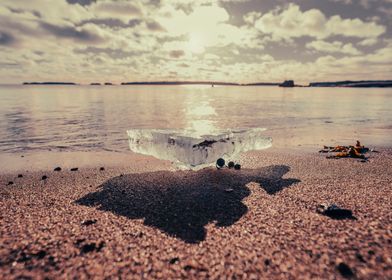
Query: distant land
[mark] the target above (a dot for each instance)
(288, 83)
(362, 84)
(50, 83)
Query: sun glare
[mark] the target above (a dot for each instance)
(196, 43)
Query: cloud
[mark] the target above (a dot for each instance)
(71, 32)
(368, 42)
(334, 47)
(7, 39)
(112, 8)
(81, 2)
(291, 22)
(177, 53)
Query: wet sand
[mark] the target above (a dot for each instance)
(143, 220)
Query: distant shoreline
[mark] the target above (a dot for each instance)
(348, 83)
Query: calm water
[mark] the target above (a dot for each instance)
(88, 118)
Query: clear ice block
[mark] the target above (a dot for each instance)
(189, 150)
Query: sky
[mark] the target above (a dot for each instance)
(240, 41)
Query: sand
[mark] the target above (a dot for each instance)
(142, 220)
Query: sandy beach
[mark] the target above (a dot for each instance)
(145, 220)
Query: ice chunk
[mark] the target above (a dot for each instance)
(187, 150)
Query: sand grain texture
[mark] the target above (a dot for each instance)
(162, 224)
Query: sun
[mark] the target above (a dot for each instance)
(196, 43)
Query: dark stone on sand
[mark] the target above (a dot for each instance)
(89, 222)
(237, 166)
(57, 169)
(188, 267)
(345, 270)
(91, 247)
(174, 260)
(360, 257)
(267, 262)
(102, 168)
(231, 164)
(10, 183)
(22, 156)
(20, 175)
(335, 212)
(220, 163)
(44, 177)
(74, 169)
(41, 254)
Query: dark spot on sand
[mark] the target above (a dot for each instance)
(41, 254)
(345, 270)
(10, 183)
(335, 212)
(89, 222)
(21, 156)
(237, 166)
(74, 169)
(91, 247)
(360, 257)
(231, 164)
(20, 175)
(57, 169)
(188, 267)
(102, 169)
(371, 252)
(174, 260)
(44, 177)
(171, 141)
(267, 262)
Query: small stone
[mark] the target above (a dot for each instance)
(90, 247)
(102, 169)
(20, 175)
(89, 222)
(44, 177)
(345, 270)
(10, 183)
(335, 212)
(229, 190)
(220, 163)
(231, 164)
(74, 169)
(174, 260)
(237, 166)
(57, 169)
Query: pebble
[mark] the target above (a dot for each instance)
(57, 169)
(10, 183)
(220, 163)
(20, 175)
(335, 212)
(74, 169)
(44, 177)
(102, 168)
(89, 222)
(345, 270)
(237, 166)
(174, 260)
(231, 164)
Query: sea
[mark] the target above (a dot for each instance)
(42, 118)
